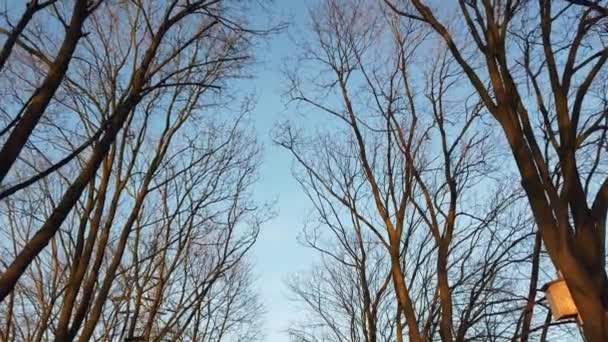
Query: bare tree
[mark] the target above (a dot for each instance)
(557, 133)
(178, 266)
(22, 125)
(348, 291)
(197, 46)
(411, 160)
(143, 230)
(13, 34)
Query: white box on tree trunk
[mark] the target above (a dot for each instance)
(560, 300)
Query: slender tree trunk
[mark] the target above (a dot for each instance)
(11, 275)
(529, 308)
(32, 248)
(403, 296)
(82, 257)
(398, 327)
(445, 297)
(43, 95)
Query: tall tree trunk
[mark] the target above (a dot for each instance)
(43, 95)
(528, 311)
(403, 297)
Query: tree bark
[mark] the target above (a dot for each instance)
(43, 95)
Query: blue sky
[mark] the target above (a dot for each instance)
(277, 253)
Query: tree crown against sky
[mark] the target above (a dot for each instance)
(448, 158)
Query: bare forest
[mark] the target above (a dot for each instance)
(452, 157)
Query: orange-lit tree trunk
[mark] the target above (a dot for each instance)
(416, 152)
(45, 92)
(573, 231)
